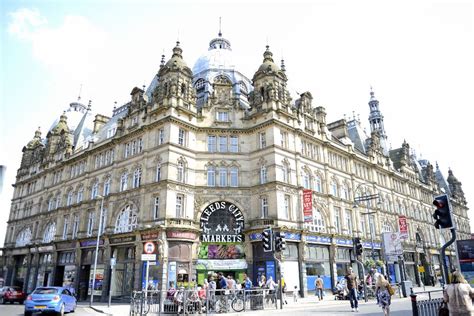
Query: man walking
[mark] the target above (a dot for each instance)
(351, 283)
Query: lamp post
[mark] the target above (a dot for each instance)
(366, 198)
(97, 247)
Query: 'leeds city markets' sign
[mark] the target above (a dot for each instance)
(222, 222)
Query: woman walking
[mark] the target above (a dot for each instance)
(459, 295)
(382, 292)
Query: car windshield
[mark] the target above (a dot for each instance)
(46, 290)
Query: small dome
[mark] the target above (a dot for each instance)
(61, 125)
(177, 59)
(219, 56)
(268, 63)
(36, 140)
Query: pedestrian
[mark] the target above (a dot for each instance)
(270, 285)
(262, 281)
(383, 292)
(283, 289)
(318, 285)
(459, 295)
(351, 284)
(295, 294)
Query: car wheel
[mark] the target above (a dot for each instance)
(2, 301)
(21, 302)
(28, 313)
(61, 311)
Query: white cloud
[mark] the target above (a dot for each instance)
(25, 23)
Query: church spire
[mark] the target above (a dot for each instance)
(376, 121)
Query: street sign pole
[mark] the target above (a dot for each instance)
(443, 257)
(146, 277)
(113, 261)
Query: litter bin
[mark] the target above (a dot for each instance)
(256, 300)
(406, 288)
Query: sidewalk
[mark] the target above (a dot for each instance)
(121, 309)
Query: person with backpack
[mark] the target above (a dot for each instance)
(384, 293)
(318, 285)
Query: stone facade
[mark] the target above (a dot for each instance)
(211, 147)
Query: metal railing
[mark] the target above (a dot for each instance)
(194, 301)
(425, 307)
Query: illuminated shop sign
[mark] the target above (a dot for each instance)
(222, 222)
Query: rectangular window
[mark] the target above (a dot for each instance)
(65, 227)
(182, 137)
(211, 176)
(156, 208)
(127, 150)
(234, 144)
(211, 143)
(179, 205)
(262, 140)
(264, 207)
(284, 139)
(263, 174)
(161, 136)
(337, 219)
(223, 116)
(107, 186)
(80, 195)
(362, 225)
(123, 182)
(372, 225)
(158, 173)
(222, 144)
(286, 207)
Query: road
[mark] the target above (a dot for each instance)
(17, 310)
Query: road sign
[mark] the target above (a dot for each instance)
(149, 248)
(149, 257)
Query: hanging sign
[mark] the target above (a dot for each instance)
(222, 222)
(403, 227)
(308, 205)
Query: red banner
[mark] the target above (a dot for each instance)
(403, 227)
(308, 205)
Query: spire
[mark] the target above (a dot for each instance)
(38, 132)
(376, 120)
(177, 51)
(79, 95)
(268, 55)
(283, 65)
(162, 60)
(220, 27)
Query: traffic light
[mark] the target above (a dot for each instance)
(280, 241)
(359, 249)
(442, 214)
(267, 240)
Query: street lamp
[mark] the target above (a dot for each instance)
(97, 246)
(366, 198)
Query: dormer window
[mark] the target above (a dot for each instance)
(222, 116)
(134, 120)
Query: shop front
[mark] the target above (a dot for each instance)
(410, 266)
(290, 265)
(65, 271)
(86, 272)
(20, 264)
(222, 238)
(180, 265)
(123, 249)
(45, 266)
(317, 261)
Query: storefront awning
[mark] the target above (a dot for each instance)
(224, 265)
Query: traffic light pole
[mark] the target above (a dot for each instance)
(363, 276)
(443, 256)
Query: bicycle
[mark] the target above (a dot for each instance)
(240, 300)
(138, 304)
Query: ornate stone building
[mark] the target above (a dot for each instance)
(199, 164)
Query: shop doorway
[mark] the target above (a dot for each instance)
(84, 282)
(59, 276)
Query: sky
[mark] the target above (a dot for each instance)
(417, 56)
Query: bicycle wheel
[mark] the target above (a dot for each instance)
(238, 304)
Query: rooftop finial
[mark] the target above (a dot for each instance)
(80, 91)
(372, 94)
(143, 87)
(162, 60)
(220, 27)
(89, 105)
(283, 65)
(115, 105)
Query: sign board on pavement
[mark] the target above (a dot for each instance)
(148, 257)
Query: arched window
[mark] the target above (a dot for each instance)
(334, 187)
(127, 220)
(137, 177)
(107, 183)
(263, 174)
(211, 176)
(181, 171)
(318, 187)
(286, 172)
(345, 191)
(49, 232)
(95, 190)
(123, 181)
(243, 88)
(70, 198)
(23, 238)
(200, 85)
(306, 180)
(317, 222)
(234, 177)
(222, 176)
(158, 172)
(80, 195)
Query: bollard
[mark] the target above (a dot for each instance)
(414, 307)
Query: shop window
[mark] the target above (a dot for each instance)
(49, 233)
(126, 221)
(24, 237)
(291, 251)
